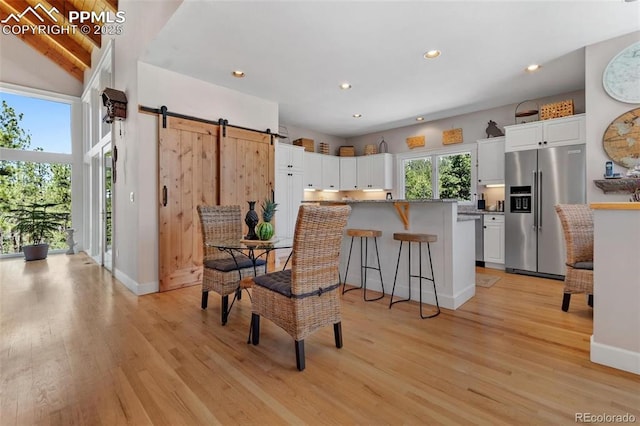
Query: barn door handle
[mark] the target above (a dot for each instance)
(164, 196)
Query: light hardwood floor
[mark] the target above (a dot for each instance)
(79, 348)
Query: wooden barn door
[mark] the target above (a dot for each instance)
(246, 168)
(187, 177)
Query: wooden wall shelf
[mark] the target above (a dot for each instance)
(618, 186)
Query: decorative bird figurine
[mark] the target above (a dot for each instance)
(493, 130)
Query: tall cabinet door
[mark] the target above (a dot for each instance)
(246, 168)
(187, 177)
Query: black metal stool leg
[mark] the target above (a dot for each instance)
(346, 272)
(391, 302)
(432, 279)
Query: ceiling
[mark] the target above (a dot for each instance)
(298, 53)
(71, 50)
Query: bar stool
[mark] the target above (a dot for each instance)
(420, 239)
(364, 265)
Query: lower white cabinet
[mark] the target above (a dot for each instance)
(288, 194)
(493, 238)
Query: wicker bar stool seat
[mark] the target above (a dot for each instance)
(363, 234)
(420, 239)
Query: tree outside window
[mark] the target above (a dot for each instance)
(25, 183)
(452, 177)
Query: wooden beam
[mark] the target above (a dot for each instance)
(67, 43)
(57, 55)
(65, 7)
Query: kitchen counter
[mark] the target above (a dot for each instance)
(461, 210)
(468, 216)
(453, 254)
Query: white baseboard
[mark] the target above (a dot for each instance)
(134, 286)
(611, 356)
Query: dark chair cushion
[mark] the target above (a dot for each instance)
(280, 282)
(228, 264)
(583, 265)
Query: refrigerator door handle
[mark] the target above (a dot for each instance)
(534, 194)
(539, 200)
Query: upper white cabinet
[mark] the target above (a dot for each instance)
(312, 170)
(289, 157)
(375, 171)
(330, 172)
(491, 161)
(348, 173)
(542, 134)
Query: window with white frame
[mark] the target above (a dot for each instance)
(438, 175)
(35, 167)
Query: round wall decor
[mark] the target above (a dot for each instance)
(621, 77)
(621, 140)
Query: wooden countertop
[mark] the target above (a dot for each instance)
(615, 206)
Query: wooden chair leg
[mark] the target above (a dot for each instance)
(255, 329)
(565, 301)
(225, 309)
(205, 299)
(337, 333)
(300, 354)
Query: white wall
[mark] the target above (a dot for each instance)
(294, 132)
(473, 125)
(22, 65)
(602, 110)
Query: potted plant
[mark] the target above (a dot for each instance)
(36, 224)
(265, 228)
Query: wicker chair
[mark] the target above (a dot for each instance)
(577, 224)
(306, 297)
(222, 272)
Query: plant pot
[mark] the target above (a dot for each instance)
(36, 252)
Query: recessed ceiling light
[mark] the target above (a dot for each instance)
(345, 86)
(238, 74)
(357, 115)
(419, 118)
(432, 54)
(533, 67)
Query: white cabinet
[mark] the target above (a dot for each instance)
(494, 239)
(348, 173)
(542, 134)
(330, 172)
(312, 170)
(375, 171)
(491, 161)
(288, 192)
(289, 157)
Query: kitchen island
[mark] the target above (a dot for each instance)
(453, 254)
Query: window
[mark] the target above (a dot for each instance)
(438, 175)
(35, 147)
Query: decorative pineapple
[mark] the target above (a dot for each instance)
(265, 229)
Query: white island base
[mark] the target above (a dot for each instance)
(453, 254)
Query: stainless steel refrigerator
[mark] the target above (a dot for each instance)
(535, 181)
